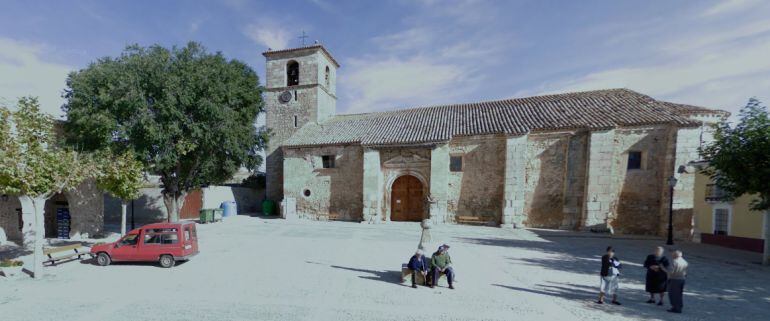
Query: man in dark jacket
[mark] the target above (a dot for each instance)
(418, 264)
(441, 263)
(609, 277)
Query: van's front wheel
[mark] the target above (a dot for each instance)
(103, 259)
(167, 261)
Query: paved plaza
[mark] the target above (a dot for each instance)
(271, 269)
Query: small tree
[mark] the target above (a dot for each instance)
(187, 115)
(122, 177)
(34, 167)
(739, 160)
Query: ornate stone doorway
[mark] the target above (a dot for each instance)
(407, 202)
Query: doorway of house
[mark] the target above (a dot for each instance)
(407, 202)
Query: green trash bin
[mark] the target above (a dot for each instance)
(268, 207)
(218, 212)
(207, 215)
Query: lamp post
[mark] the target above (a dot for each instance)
(671, 184)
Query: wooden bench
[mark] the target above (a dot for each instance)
(76, 249)
(475, 220)
(406, 275)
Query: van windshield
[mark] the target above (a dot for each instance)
(129, 239)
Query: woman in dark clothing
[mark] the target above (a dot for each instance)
(656, 275)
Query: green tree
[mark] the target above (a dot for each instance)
(739, 160)
(35, 167)
(186, 114)
(121, 176)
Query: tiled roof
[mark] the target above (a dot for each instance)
(590, 110)
(314, 46)
(684, 109)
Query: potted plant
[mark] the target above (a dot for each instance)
(11, 268)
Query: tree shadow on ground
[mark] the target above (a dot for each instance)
(710, 291)
(632, 304)
(13, 252)
(393, 277)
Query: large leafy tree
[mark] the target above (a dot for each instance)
(187, 115)
(739, 160)
(35, 167)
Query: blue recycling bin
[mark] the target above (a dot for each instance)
(229, 208)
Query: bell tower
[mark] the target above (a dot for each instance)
(301, 88)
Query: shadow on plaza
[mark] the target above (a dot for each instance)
(393, 277)
(633, 301)
(708, 293)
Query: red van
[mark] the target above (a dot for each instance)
(165, 243)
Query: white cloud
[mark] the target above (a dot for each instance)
(23, 72)
(268, 34)
(729, 6)
(707, 65)
(386, 84)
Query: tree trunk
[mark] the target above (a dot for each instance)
(123, 206)
(174, 204)
(766, 254)
(37, 232)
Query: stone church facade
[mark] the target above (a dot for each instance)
(586, 160)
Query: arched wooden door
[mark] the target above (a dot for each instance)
(407, 200)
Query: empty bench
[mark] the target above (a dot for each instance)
(66, 252)
(475, 220)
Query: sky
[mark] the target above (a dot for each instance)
(397, 54)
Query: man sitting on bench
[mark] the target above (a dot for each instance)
(418, 264)
(441, 263)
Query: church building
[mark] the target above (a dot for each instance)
(593, 160)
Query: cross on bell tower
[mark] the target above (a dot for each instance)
(302, 38)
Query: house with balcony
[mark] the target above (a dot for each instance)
(723, 221)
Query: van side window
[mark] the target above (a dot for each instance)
(167, 238)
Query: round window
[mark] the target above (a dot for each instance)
(306, 193)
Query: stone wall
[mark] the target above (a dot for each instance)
(600, 194)
(639, 190)
(86, 206)
(545, 179)
(10, 229)
(575, 181)
(311, 101)
(514, 196)
(334, 193)
(478, 189)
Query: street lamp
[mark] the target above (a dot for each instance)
(671, 184)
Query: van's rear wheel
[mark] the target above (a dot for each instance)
(166, 261)
(103, 259)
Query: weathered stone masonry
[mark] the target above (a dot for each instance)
(557, 161)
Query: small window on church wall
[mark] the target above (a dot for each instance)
(295, 121)
(328, 161)
(455, 163)
(634, 160)
(326, 77)
(292, 73)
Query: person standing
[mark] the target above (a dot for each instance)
(677, 273)
(609, 277)
(418, 264)
(441, 263)
(656, 264)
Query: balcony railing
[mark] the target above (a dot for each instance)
(715, 194)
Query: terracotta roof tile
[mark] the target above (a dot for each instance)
(589, 110)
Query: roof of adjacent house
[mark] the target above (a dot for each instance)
(599, 109)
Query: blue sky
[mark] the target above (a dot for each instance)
(398, 54)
